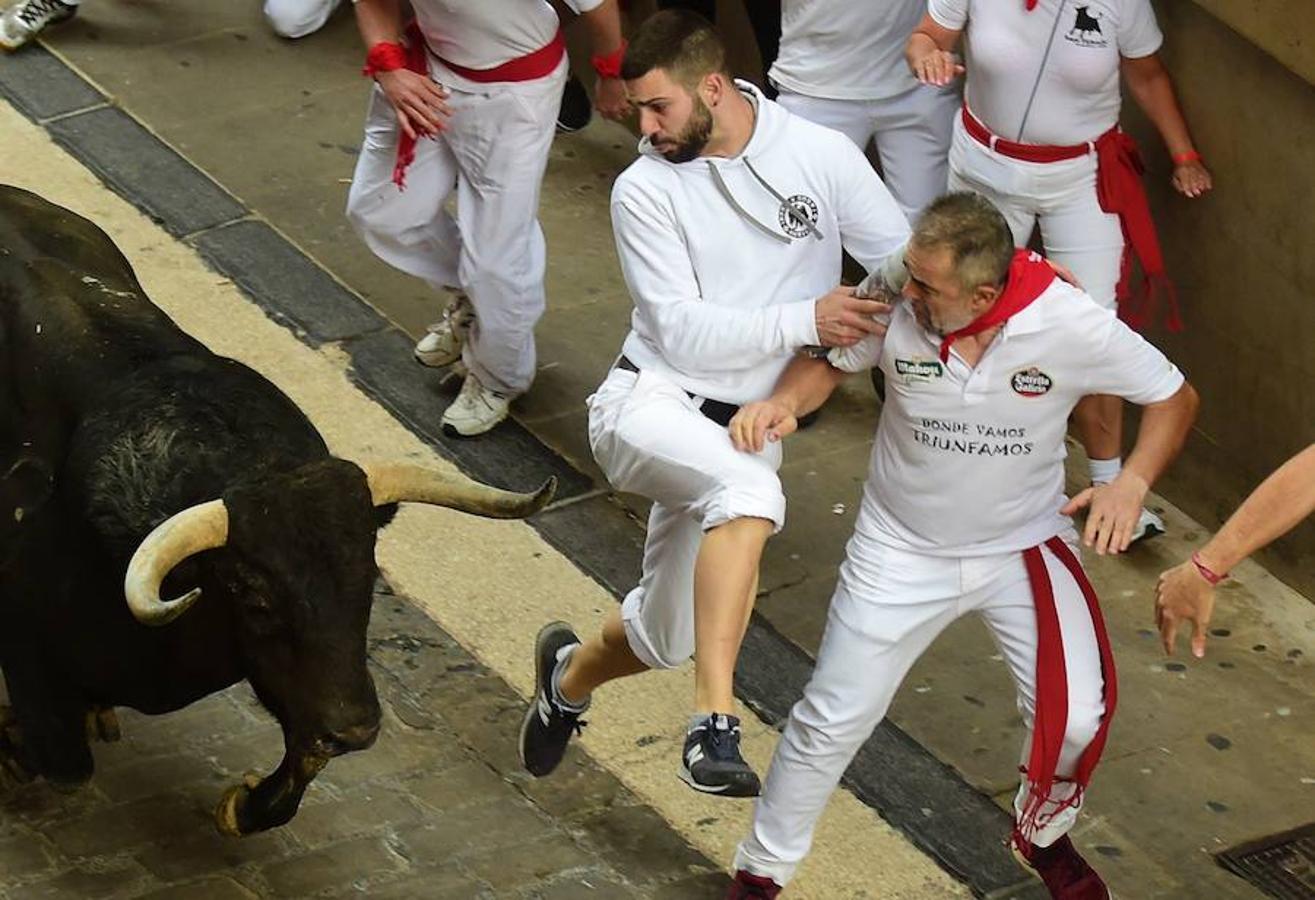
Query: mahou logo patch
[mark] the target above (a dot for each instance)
(1031, 382)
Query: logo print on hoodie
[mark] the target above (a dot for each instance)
(798, 215)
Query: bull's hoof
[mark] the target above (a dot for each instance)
(103, 725)
(228, 815)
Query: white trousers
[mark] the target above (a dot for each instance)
(650, 439)
(1060, 196)
(911, 132)
(888, 606)
(298, 18)
(492, 154)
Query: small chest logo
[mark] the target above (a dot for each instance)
(1086, 30)
(918, 370)
(798, 216)
(1031, 382)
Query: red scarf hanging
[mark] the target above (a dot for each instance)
(1029, 275)
(1120, 190)
(1050, 720)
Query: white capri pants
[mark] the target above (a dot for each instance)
(298, 18)
(888, 606)
(493, 154)
(1061, 196)
(911, 131)
(650, 439)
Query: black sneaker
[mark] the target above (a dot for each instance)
(712, 763)
(576, 109)
(548, 727)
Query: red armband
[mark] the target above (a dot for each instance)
(1206, 572)
(609, 65)
(1182, 158)
(385, 56)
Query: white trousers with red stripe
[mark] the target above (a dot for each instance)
(911, 132)
(1058, 196)
(492, 156)
(888, 606)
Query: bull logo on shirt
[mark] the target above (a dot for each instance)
(1086, 30)
(798, 216)
(1031, 382)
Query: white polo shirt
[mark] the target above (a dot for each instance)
(483, 34)
(725, 258)
(1077, 98)
(846, 49)
(970, 462)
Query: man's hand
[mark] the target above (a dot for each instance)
(844, 319)
(757, 423)
(1112, 512)
(1192, 179)
(937, 67)
(420, 102)
(610, 98)
(1183, 595)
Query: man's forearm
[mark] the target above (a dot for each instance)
(1152, 88)
(1163, 431)
(604, 25)
(806, 383)
(379, 21)
(1282, 500)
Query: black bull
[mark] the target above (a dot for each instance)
(138, 464)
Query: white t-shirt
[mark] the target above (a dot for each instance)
(1078, 96)
(970, 462)
(846, 49)
(724, 296)
(483, 34)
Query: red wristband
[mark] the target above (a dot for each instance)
(1206, 572)
(385, 56)
(1190, 156)
(608, 65)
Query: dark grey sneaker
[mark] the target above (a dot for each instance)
(548, 725)
(712, 763)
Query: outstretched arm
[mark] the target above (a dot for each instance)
(1150, 85)
(803, 387)
(1186, 592)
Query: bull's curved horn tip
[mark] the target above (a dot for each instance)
(543, 496)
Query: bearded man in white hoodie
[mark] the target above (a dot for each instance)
(729, 230)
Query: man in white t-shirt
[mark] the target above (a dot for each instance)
(467, 105)
(963, 510)
(729, 230)
(841, 64)
(1038, 135)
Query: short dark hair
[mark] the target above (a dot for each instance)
(679, 41)
(974, 231)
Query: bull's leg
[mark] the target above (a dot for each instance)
(48, 734)
(259, 804)
(103, 724)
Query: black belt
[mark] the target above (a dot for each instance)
(716, 410)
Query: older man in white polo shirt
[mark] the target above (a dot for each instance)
(964, 510)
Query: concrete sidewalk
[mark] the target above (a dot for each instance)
(1204, 754)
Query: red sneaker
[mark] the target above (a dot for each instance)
(752, 887)
(1064, 871)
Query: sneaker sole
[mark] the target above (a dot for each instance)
(1148, 532)
(724, 790)
(434, 360)
(453, 431)
(541, 656)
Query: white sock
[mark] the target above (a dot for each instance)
(563, 656)
(1103, 471)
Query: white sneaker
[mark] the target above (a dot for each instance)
(442, 345)
(1148, 526)
(22, 22)
(475, 410)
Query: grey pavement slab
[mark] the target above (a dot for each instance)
(43, 87)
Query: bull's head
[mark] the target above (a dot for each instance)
(300, 572)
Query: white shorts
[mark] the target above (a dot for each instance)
(649, 438)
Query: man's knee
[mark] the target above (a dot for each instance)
(297, 18)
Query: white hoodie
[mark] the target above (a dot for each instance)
(724, 295)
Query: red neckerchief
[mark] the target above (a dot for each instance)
(1031, 5)
(1029, 275)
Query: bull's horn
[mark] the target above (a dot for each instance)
(197, 528)
(408, 483)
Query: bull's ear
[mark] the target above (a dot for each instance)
(25, 488)
(384, 515)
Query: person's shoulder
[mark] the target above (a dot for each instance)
(1069, 309)
(643, 181)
